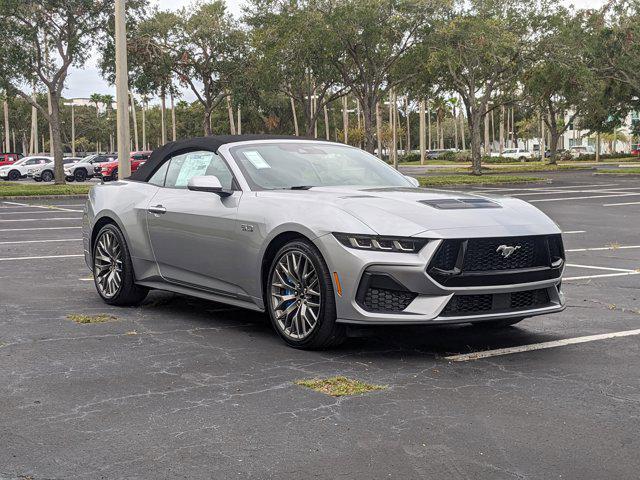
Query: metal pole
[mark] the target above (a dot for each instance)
(122, 91)
(6, 126)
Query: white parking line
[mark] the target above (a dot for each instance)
(570, 232)
(620, 204)
(595, 190)
(565, 187)
(588, 277)
(31, 229)
(596, 249)
(560, 199)
(539, 346)
(42, 241)
(51, 207)
(592, 267)
(38, 219)
(40, 257)
(39, 212)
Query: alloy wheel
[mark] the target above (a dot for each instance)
(107, 263)
(295, 295)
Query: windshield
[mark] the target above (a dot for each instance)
(21, 161)
(270, 166)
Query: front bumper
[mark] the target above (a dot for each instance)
(427, 301)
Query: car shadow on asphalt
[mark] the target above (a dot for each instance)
(416, 341)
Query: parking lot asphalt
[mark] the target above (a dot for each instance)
(184, 388)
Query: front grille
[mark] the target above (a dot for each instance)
(382, 300)
(461, 305)
(482, 254)
(529, 298)
(497, 261)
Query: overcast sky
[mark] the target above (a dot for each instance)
(81, 83)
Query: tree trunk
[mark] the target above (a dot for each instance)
(408, 148)
(144, 126)
(501, 146)
(206, 121)
(232, 123)
(345, 119)
(554, 136)
(423, 147)
(174, 132)
(597, 146)
(462, 135)
(379, 129)
(487, 145)
(239, 123)
(369, 113)
(455, 127)
(134, 117)
(6, 126)
(163, 116)
(295, 117)
(475, 120)
(394, 136)
(326, 122)
(429, 145)
(56, 138)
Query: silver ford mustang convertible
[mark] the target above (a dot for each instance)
(320, 235)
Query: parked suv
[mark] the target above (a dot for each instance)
(581, 151)
(109, 171)
(516, 153)
(45, 173)
(9, 158)
(85, 169)
(18, 169)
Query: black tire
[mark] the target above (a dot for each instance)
(13, 175)
(496, 324)
(47, 176)
(523, 159)
(37, 179)
(80, 175)
(326, 332)
(128, 293)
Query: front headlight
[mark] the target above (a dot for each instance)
(381, 243)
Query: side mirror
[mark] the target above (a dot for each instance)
(207, 183)
(412, 180)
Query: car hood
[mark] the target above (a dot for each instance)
(434, 213)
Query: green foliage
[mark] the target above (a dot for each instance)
(446, 180)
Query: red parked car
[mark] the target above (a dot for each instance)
(9, 158)
(109, 171)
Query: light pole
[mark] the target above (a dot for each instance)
(122, 91)
(73, 128)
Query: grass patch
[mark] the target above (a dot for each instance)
(444, 180)
(339, 386)
(16, 189)
(622, 171)
(522, 168)
(99, 318)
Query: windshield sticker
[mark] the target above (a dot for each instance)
(256, 159)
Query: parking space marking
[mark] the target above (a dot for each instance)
(38, 219)
(51, 207)
(596, 249)
(560, 199)
(565, 187)
(597, 190)
(19, 242)
(604, 275)
(39, 212)
(31, 229)
(592, 267)
(620, 204)
(539, 346)
(570, 232)
(40, 257)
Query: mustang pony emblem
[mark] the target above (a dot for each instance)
(506, 250)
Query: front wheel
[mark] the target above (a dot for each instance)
(14, 175)
(80, 175)
(47, 176)
(300, 298)
(113, 271)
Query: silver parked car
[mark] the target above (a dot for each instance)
(320, 235)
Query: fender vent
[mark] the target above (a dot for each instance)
(460, 203)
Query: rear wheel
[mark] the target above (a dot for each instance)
(112, 269)
(80, 175)
(495, 324)
(47, 176)
(300, 298)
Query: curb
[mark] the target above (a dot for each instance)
(44, 197)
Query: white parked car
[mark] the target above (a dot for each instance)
(45, 173)
(20, 168)
(515, 153)
(84, 169)
(581, 151)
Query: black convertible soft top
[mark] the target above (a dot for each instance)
(211, 143)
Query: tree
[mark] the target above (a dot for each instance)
(39, 41)
(480, 50)
(560, 83)
(373, 36)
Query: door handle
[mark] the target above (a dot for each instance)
(157, 209)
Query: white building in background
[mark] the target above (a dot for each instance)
(575, 136)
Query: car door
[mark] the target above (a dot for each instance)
(194, 234)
